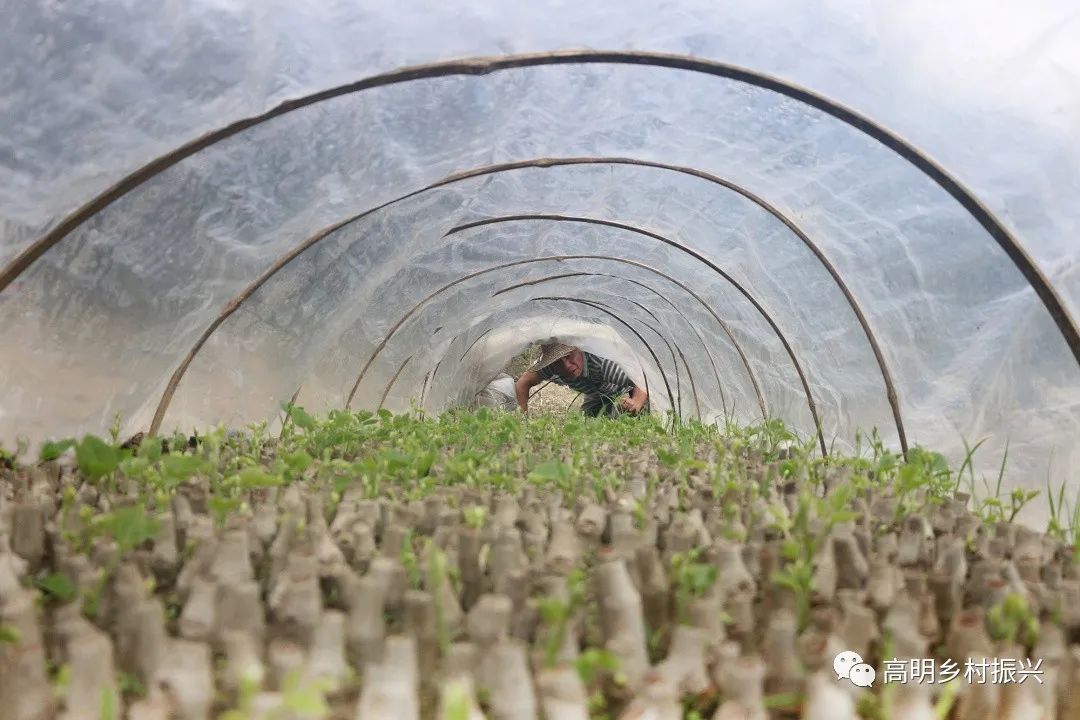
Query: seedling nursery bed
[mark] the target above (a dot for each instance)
(484, 564)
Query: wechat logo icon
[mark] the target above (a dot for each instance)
(849, 666)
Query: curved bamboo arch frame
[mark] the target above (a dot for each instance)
(1041, 285)
(480, 337)
(390, 384)
(689, 251)
(413, 310)
(233, 305)
(723, 325)
(430, 382)
(480, 66)
(693, 385)
(660, 296)
(598, 306)
(423, 391)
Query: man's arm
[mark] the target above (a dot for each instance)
(522, 387)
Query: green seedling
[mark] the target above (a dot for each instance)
(299, 417)
(9, 459)
(558, 613)
(176, 469)
(436, 580)
(9, 634)
(667, 458)
(221, 507)
(96, 458)
(129, 526)
(1012, 620)
(594, 664)
(969, 464)
(798, 577)
(771, 436)
(411, 562)
(946, 700)
(304, 698)
(114, 429)
(130, 685)
(91, 599)
(458, 704)
(554, 473)
(888, 691)
(930, 471)
(1056, 527)
(51, 450)
(60, 677)
(995, 507)
(691, 578)
(108, 709)
(869, 707)
(58, 587)
(784, 702)
(475, 516)
(802, 543)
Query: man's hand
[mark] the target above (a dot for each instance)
(633, 404)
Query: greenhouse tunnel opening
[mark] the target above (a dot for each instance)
(605, 333)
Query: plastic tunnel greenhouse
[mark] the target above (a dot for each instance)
(847, 215)
(266, 266)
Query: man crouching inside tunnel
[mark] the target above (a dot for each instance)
(601, 381)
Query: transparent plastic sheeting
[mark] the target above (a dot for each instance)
(102, 321)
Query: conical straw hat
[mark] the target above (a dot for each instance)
(551, 352)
